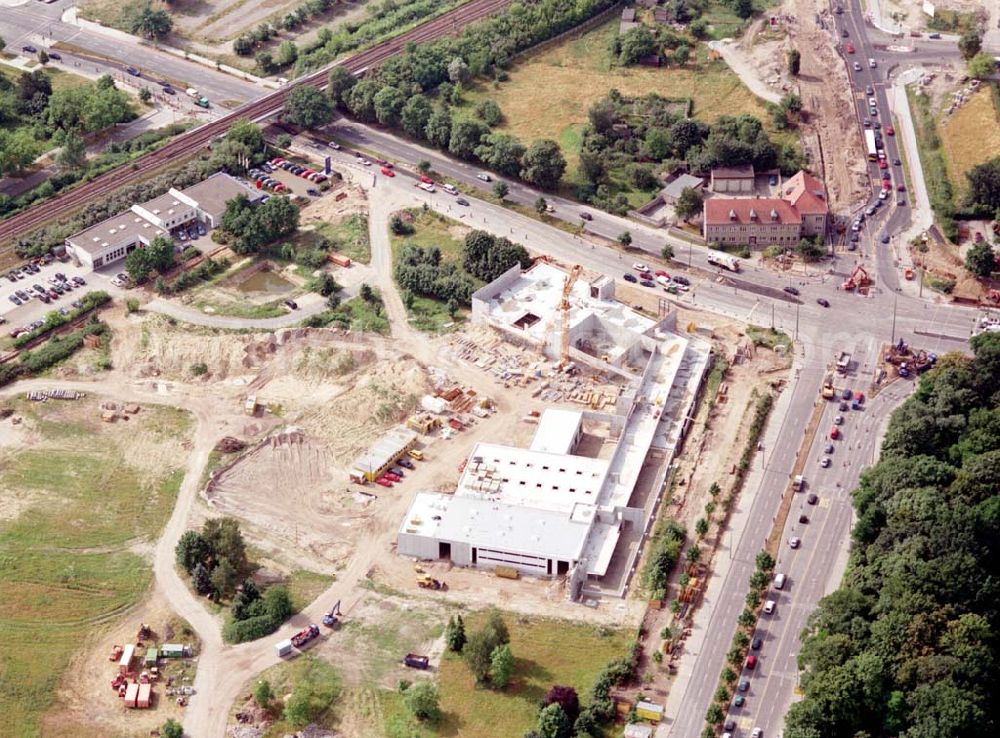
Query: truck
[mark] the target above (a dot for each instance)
(843, 362)
(798, 483)
(305, 635)
(724, 260)
(416, 662)
(870, 148)
(283, 648)
(828, 391)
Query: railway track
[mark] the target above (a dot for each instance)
(191, 141)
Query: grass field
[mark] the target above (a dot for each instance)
(970, 136)
(349, 237)
(304, 586)
(75, 504)
(60, 80)
(550, 91)
(932, 161)
(433, 230)
(314, 676)
(547, 652)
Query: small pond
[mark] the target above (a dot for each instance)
(267, 282)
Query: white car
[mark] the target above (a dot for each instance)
(640, 267)
(427, 186)
(794, 542)
(757, 733)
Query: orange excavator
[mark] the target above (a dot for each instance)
(858, 280)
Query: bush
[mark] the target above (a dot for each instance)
(54, 319)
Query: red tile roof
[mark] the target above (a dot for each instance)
(806, 194)
(748, 211)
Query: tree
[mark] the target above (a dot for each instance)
(553, 723)
(501, 666)
(172, 729)
(339, 82)
(265, 62)
(681, 55)
(970, 43)
(634, 44)
(43, 57)
(366, 293)
(458, 71)
(247, 595)
(500, 189)
(308, 107)
(543, 164)
(667, 252)
(288, 52)
(689, 203)
(794, 62)
(701, 527)
(140, 17)
(810, 250)
(157, 256)
(743, 8)
(201, 580)
(984, 185)
(489, 112)
(455, 633)
(625, 239)
(224, 578)
(981, 66)
(247, 133)
(541, 206)
(566, 698)
(980, 259)
(243, 45)
(192, 549)
(502, 153)
(714, 714)
(422, 700)
(3, 44)
(389, 102)
(73, 154)
(262, 693)
(415, 115)
(226, 540)
(465, 137)
(423, 166)
(438, 130)
(145, 95)
(698, 28)
(477, 652)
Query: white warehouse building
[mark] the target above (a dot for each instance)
(545, 510)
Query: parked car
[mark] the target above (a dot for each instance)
(794, 542)
(744, 685)
(586, 216)
(14, 299)
(824, 462)
(29, 49)
(291, 305)
(392, 477)
(426, 180)
(484, 177)
(751, 661)
(388, 172)
(739, 700)
(462, 201)
(647, 283)
(812, 499)
(133, 71)
(640, 267)
(629, 277)
(823, 301)
(756, 644)
(791, 290)
(681, 279)
(334, 145)
(313, 192)
(202, 231)
(383, 482)
(406, 463)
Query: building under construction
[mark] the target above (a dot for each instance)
(550, 510)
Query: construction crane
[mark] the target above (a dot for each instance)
(574, 274)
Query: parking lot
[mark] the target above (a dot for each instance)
(34, 308)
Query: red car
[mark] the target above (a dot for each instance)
(392, 477)
(850, 48)
(383, 481)
(890, 131)
(426, 180)
(834, 433)
(751, 661)
(661, 273)
(388, 172)
(882, 164)
(859, 397)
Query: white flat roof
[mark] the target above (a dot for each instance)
(384, 449)
(541, 481)
(489, 524)
(539, 291)
(556, 432)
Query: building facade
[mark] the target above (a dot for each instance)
(735, 180)
(807, 195)
(751, 222)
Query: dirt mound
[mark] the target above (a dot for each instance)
(229, 445)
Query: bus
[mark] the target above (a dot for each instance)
(724, 260)
(870, 144)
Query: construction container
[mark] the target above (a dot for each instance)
(416, 662)
(649, 711)
(144, 696)
(338, 259)
(151, 656)
(283, 648)
(507, 572)
(131, 694)
(125, 662)
(637, 730)
(172, 651)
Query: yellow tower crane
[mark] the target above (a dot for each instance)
(574, 274)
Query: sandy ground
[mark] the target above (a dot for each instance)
(910, 14)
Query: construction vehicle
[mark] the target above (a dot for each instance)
(305, 635)
(144, 632)
(859, 280)
(843, 362)
(828, 391)
(426, 582)
(116, 653)
(330, 618)
(574, 274)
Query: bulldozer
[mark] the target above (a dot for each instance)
(426, 582)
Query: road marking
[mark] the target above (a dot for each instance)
(824, 503)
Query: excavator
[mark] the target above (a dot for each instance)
(858, 280)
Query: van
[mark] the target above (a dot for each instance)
(769, 607)
(414, 454)
(193, 92)
(779, 581)
(450, 188)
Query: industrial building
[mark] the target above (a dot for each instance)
(548, 510)
(385, 452)
(113, 239)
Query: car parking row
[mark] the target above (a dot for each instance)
(190, 231)
(395, 473)
(673, 284)
(59, 285)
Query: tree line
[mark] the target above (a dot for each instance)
(907, 646)
(252, 227)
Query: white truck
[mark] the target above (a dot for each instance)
(724, 260)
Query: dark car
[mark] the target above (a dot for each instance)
(405, 463)
(80, 281)
(885, 238)
(901, 202)
(630, 278)
(804, 519)
(757, 643)
(791, 290)
(739, 700)
(29, 49)
(934, 35)
(681, 279)
(647, 283)
(55, 55)
(586, 216)
(169, 91)
(291, 305)
(313, 192)
(462, 201)
(133, 71)
(823, 301)
(855, 238)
